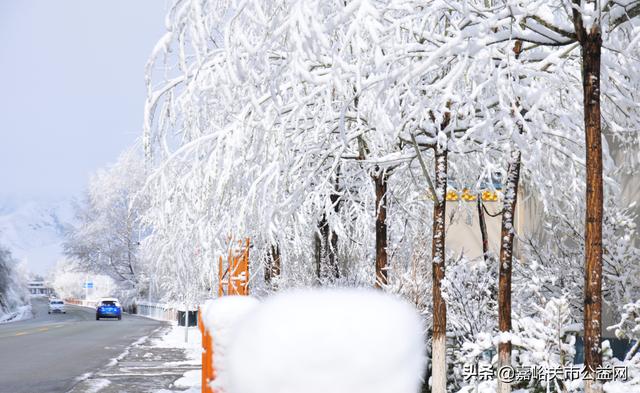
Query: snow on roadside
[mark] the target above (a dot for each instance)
(174, 338)
(189, 379)
(190, 390)
(22, 313)
(124, 353)
(97, 385)
(220, 316)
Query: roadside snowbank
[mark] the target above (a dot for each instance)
(174, 338)
(21, 313)
(221, 317)
(190, 379)
(318, 341)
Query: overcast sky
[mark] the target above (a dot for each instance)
(71, 88)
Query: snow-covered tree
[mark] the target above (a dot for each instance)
(106, 238)
(13, 284)
(329, 133)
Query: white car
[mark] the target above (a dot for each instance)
(56, 305)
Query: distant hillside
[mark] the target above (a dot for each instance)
(33, 230)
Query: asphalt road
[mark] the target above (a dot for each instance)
(51, 353)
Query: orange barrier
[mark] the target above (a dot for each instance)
(81, 302)
(234, 280)
(208, 372)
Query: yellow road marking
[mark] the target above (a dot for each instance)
(42, 329)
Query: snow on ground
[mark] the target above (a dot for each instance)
(174, 338)
(118, 358)
(621, 387)
(338, 341)
(190, 379)
(312, 341)
(23, 312)
(97, 385)
(190, 390)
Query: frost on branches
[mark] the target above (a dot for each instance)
(329, 133)
(14, 296)
(108, 231)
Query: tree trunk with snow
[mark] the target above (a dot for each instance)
(317, 250)
(590, 39)
(506, 257)
(439, 340)
(380, 180)
(483, 228)
(328, 267)
(273, 266)
(328, 247)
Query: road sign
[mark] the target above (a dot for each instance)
(88, 285)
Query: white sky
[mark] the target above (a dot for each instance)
(71, 88)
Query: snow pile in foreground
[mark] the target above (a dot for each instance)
(220, 316)
(319, 341)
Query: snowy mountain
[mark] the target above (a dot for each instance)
(33, 230)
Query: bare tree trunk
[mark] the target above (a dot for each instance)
(272, 270)
(439, 340)
(591, 45)
(317, 247)
(380, 180)
(594, 209)
(328, 267)
(326, 255)
(483, 229)
(506, 257)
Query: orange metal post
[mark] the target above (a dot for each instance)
(208, 373)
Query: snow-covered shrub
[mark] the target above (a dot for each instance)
(470, 289)
(546, 339)
(13, 289)
(628, 328)
(339, 341)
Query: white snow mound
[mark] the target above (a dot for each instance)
(220, 317)
(319, 341)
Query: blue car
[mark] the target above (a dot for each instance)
(108, 308)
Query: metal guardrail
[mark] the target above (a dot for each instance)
(161, 312)
(157, 311)
(81, 302)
